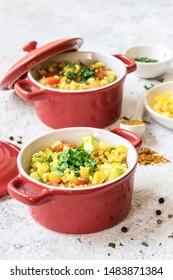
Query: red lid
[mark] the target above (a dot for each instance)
(8, 164)
(36, 56)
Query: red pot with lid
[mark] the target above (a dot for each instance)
(98, 107)
(77, 210)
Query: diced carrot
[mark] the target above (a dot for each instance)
(55, 184)
(81, 182)
(100, 73)
(70, 145)
(60, 146)
(53, 81)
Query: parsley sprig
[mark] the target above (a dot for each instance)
(73, 158)
(84, 72)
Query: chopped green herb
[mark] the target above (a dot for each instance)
(58, 172)
(36, 155)
(160, 244)
(126, 118)
(161, 80)
(49, 158)
(77, 173)
(112, 245)
(146, 60)
(79, 240)
(148, 87)
(121, 244)
(73, 158)
(70, 75)
(141, 251)
(144, 244)
(70, 64)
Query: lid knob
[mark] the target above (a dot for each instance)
(30, 46)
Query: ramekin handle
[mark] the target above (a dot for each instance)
(20, 191)
(134, 139)
(130, 63)
(28, 91)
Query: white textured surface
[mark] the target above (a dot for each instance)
(110, 27)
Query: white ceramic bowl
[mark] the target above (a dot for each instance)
(149, 70)
(149, 102)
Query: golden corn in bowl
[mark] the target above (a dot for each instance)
(159, 103)
(163, 104)
(69, 165)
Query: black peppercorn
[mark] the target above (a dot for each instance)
(161, 200)
(158, 212)
(124, 229)
(11, 138)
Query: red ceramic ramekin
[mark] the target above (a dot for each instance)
(97, 107)
(83, 210)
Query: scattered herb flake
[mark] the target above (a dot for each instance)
(141, 251)
(144, 244)
(112, 245)
(121, 244)
(126, 118)
(160, 244)
(79, 240)
(161, 80)
(148, 87)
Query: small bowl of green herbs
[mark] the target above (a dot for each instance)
(152, 60)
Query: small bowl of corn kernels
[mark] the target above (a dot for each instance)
(159, 104)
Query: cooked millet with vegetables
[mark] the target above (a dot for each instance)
(68, 165)
(66, 75)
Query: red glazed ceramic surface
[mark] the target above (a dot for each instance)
(82, 210)
(8, 165)
(36, 56)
